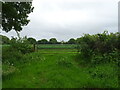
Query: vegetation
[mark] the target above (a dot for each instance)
(57, 70)
(14, 15)
(57, 46)
(43, 41)
(53, 41)
(100, 48)
(15, 51)
(31, 40)
(72, 41)
(91, 61)
(61, 65)
(5, 40)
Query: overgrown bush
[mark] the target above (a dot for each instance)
(11, 55)
(100, 48)
(112, 57)
(15, 52)
(21, 45)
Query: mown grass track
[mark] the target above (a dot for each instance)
(57, 70)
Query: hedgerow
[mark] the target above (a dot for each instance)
(100, 48)
(15, 51)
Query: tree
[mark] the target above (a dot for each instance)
(43, 41)
(62, 42)
(78, 40)
(32, 40)
(72, 41)
(14, 15)
(53, 41)
(13, 40)
(5, 40)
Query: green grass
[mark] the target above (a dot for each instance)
(57, 51)
(56, 46)
(57, 69)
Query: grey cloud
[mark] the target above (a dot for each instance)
(102, 15)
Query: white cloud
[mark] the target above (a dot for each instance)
(64, 19)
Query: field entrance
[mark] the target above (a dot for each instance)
(57, 48)
(57, 68)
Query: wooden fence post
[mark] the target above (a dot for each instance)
(34, 47)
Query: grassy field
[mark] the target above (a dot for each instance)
(51, 46)
(53, 68)
(56, 46)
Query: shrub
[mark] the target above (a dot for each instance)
(11, 55)
(22, 45)
(15, 52)
(99, 48)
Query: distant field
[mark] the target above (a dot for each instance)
(52, 46)
(57, 46)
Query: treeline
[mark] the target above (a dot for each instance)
(6, 40)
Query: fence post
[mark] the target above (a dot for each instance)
(34, 47)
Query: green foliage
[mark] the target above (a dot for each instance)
(15, 52)
(13, 40)
(32, 40)
(99, 48)
(7, 70)
(43, 41)
(5, 40)
(53, 41)
(103, 72)
(10, 55)
(112, 57)
(21, 45)
(57, 68)
(15, 14)
(72, 41)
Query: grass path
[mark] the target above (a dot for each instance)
(51, 71)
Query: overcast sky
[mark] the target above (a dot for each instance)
(65, 19)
